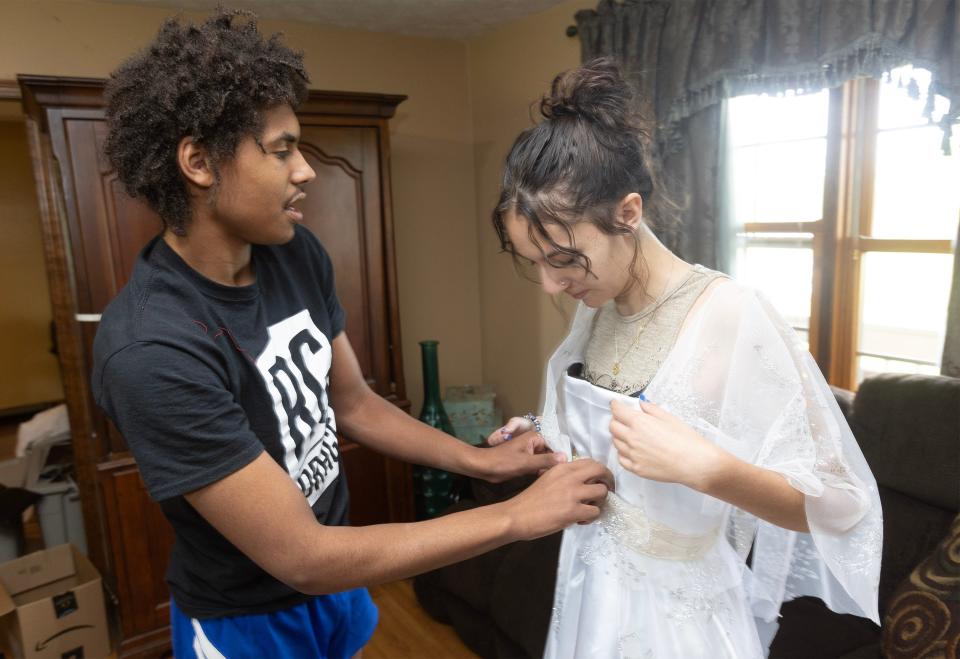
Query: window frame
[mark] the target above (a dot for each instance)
(843, 235)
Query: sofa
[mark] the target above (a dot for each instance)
(908, 427)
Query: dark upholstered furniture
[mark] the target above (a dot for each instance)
(909, 430)
(908, 427)
(499, 603)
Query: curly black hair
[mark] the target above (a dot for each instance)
(210, 82)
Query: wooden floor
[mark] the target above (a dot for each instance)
(407, 632)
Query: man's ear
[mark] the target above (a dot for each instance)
(194, 162)
(631, 210)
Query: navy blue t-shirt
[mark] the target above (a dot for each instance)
(201, 378)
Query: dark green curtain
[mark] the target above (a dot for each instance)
(686, 56)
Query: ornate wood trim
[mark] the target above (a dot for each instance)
(9, 90)
(69, 333)
(39, 92)
(353, 104)
(155, 644)
(87, 92)
(400, 475)
(129, 530)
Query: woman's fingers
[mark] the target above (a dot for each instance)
(619, 430)
(515, 426)
(496, 437)
(621, 446)
(628, 414)
(621, 411)
(654, 410)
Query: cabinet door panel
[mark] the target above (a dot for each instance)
(343, 209)
(107, 227)
(141, 540)
(366, 473)
(107, 439)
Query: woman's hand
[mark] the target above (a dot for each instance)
(654, 444)
(516, 426)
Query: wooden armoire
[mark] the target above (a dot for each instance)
(93, 231)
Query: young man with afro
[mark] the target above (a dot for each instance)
(225, 366)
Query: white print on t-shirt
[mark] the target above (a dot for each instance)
(296, 368)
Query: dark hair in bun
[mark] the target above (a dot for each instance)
(596, 92)
(589, 152)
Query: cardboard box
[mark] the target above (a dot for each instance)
(51, 606)
(472, 412)
(13, 472)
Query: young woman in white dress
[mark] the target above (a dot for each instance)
(724, 438)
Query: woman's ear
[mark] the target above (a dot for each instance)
(631, 210)
(194, 162)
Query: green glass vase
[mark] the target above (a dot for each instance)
(435, 488)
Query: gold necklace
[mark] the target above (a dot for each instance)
(667, 293)
(616, 364)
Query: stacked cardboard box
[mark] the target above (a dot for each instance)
(51, 606)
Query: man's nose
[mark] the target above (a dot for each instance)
(304, 172)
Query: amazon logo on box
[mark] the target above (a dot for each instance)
(51, 606)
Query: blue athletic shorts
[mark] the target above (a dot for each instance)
(329, 627)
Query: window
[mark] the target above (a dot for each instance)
(778, 151)
(845, 210)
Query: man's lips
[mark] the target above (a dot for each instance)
(295, 213)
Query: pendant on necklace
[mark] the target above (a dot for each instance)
(616, 368)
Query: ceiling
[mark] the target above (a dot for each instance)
(449, 19)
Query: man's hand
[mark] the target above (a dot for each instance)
(263, 513)
(526, 454)
(517, 450)
(570, 493)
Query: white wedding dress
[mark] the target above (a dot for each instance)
(663, 573)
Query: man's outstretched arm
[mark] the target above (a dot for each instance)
(262, 512)
(370, 420)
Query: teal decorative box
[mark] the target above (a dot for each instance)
(472, 412)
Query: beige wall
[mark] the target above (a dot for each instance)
(468, 101)
(431, 136)
(29, 371)
(510, 68)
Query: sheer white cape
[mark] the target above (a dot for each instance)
(741, 377)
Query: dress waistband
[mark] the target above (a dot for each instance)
(630, 526)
